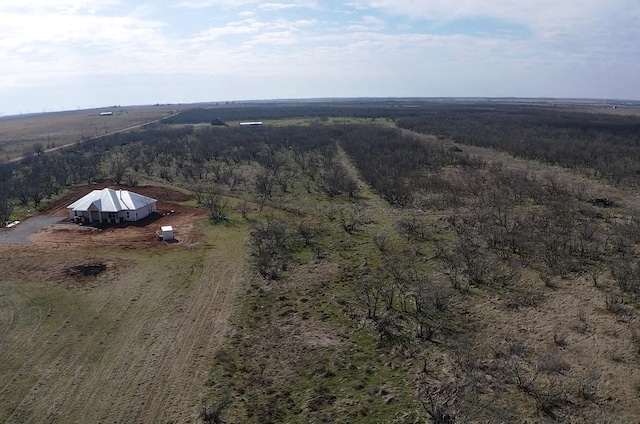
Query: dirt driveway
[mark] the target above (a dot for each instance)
(20, 233)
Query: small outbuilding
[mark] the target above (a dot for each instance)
(109, 206)
(167, 232)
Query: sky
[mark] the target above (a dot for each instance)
(69, 54)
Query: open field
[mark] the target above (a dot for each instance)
(423, 262)
(21, 134)
(132, 344)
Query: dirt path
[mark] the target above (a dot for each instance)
(137, 348)
(365, 191)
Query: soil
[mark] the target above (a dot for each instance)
(171, 211)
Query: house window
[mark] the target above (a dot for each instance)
(127, 214)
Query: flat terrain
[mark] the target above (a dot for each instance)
(20, 134)
(465, 262)
(132, 344)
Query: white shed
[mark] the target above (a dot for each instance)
(167, 232)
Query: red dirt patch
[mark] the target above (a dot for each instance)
(171, 211)
(166, 197)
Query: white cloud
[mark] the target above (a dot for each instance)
(367, 23)
(63, 6)
(247, 26)
(261, 31)
(202, 4)
(547, 17)
(595, 30)
(332, 53)
(74, 31)
(277, 6)
(258, 4)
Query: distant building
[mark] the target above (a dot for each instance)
(251, 123)
(106, 113)
(218, 121)
(109, 206)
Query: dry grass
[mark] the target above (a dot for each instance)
(132, 344)
(20, 134)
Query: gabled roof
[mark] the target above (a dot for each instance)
(109, 200)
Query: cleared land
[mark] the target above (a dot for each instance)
(132, 344)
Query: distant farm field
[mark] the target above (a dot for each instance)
(21, 134)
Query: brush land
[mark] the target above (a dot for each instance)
(396, 261)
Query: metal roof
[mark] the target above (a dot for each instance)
(109, 200)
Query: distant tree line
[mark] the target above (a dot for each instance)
(262, 160)
(394, 163)
(603, 146)
(268, 111)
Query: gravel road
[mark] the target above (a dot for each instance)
(21, 232)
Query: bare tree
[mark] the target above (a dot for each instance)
(369, 291)
(271, 249)
(245, 207)
(265, 182)
(118, 164)
(212, 198)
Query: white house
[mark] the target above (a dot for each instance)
(108, 206)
